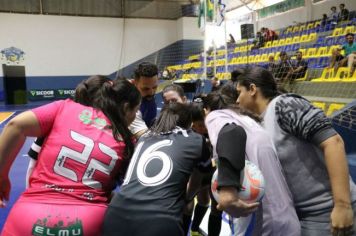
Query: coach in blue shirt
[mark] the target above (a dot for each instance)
(146, 81)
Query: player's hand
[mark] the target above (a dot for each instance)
(342, 220)
(239, 208)
(5, 187)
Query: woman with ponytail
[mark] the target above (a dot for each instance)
(237, 136)
(86, 149)
(152, 197)
(311, 152)
(84, 94)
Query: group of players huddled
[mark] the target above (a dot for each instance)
(109, 135)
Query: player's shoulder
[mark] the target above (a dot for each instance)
(290, 100)
(184, 137)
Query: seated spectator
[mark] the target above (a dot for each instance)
(297, 70)
(259, 41)
(344, 13)
(336, 59)
(269, 35)
(215, 84)
(173, 74)
(283, 67)
(166, 74)
(272, 34)
(350, 52)
(271, 66)
(333, 16)
(188, 70)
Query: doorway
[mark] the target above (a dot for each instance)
(15, 84)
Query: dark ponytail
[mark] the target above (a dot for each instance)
(86, 90)
(111, 99)
(262, 78)
(171, 116)
(225, 98)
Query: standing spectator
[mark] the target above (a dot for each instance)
(86, 150)
(333, 16)
(344, 13)
(311, 152)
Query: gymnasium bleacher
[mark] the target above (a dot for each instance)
(316, 42)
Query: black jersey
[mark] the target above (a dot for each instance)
(157, 177)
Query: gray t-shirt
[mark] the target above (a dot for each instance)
(297, 129)
(279, 216)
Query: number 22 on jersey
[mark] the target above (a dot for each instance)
(83, 157)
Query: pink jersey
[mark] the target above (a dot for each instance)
(79, 158)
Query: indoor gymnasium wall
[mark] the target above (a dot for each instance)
(187, 28)
(190, 40)
(63, 45)
(145, 36)
(318, 9)
(1, 89)
(302, 14)
(282, 20)
(60, 50)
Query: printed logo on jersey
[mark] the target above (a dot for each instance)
(86, 117)
(46, 228)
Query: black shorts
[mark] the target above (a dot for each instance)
(131, 223)
(206, 181)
